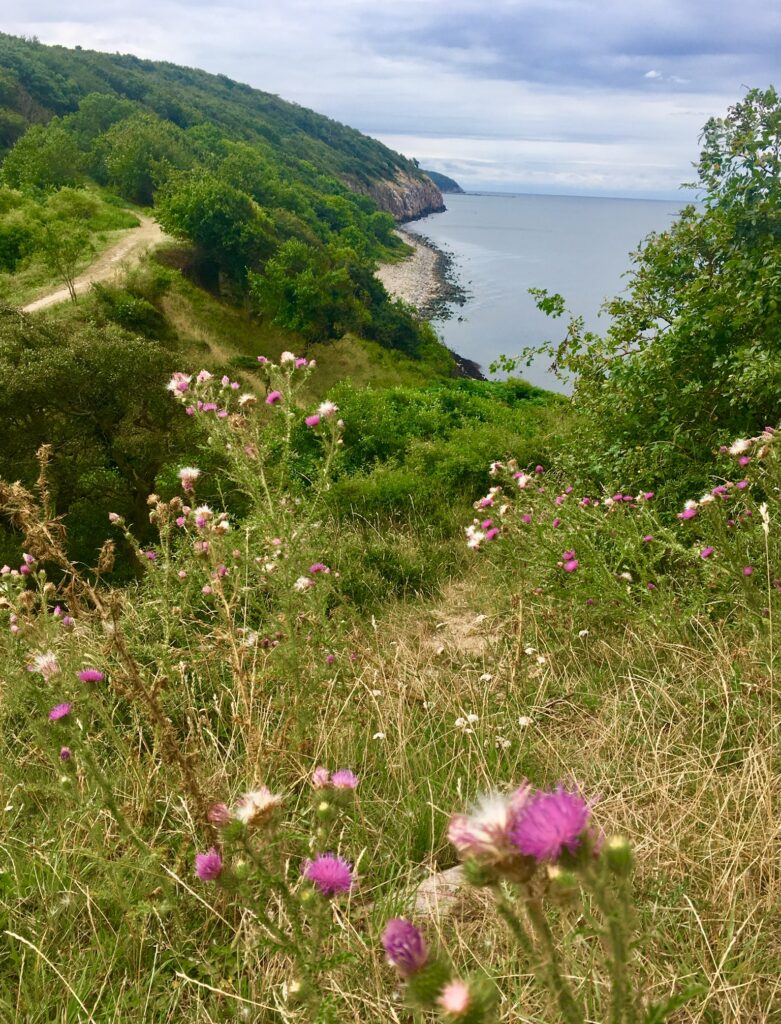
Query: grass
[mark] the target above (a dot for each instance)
(661, 705)
(33, 278)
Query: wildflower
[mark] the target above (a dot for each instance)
(318, 567)
(150, 556)
(65, 753)
(208, 866)
(328, 873)
(59, 711)
(742, 485)
(327, 409)
(321, 777)
(312, 421)
(203, 376)
(262, 360)
(650, 586)
(526, 518)
(91, 675)
(206, 589)
(485, 833)
(571, 565)
(492, 534)
(556, 523)
(46, 664)
(286, 357)
(524, 721)
(455, 998)
(273, 397)
(114, 518)
(219, 814)
(179, 383)
(748, 570)
(707, 552)
(256, 807)
(550, 822)
(247, 399)
(740, 446)
(538, 469)
(300, 363)
(344, 779)
(303, 583)
(330, 659)
(583, 633)
(688, 513)
(474, 537)
(648, 538)
(404, 946)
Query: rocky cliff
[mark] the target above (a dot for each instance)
(406, 196)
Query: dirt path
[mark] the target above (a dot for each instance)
(128, 249)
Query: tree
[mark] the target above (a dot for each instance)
(139, 153)
(63, 248)
(45, 157)
(693, 353)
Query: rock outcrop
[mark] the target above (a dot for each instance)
(405, 196)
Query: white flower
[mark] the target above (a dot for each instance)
(502, 743)
(378, 736)
(303, 583)
(740, 446)
(486, 677)
(326, 409)
(690, 503)
(247, 399)
(541, 659)
(706, 499)
(625, 576)
(524, 480)
(203, 376)
(257, 806)
(530, 650)
(583, 633)
(287, 357)
(46, 664)
(524, 720)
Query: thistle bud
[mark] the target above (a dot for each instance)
(618, 854)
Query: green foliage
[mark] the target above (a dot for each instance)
(137, 154)
(693, 353)
(45, 157)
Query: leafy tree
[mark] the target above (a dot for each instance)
(45, 157)
(226, 225)
(62, 248)
(139, 153)
(693, 353)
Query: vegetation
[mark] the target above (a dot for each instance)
(692, 355)
(271, 625)
(443, 182)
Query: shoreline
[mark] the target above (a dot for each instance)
(427, 280)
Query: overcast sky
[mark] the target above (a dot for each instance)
(574, 96)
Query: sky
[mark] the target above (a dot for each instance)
(580, 97)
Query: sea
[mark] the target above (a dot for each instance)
(501, 245)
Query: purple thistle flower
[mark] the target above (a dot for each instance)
(550, 823)
(313, 420)
(748, 570)
(648, 538)
(571, 565)
(328, 873)
(492, 534)
(59, 711)
(556, 523)
(707, 552)
(65, 753)
(208, 866)
(91, 675)
(404, 946)
(273, 397)
(526, 518)
(321, 777)
(344, 779)
(688, 513)
(318, 567)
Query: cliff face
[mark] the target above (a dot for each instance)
(406, 197)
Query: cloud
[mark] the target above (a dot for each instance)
(580, 94)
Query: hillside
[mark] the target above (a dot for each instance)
(444, 183)
(38, 82)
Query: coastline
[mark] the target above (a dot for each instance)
(427, 281)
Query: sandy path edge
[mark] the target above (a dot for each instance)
(129, 248)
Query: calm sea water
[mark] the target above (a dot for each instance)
(505, 244)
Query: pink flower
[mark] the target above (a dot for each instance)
(492, 534)
(485, 833)
(526, 518)
(742, 485)
(219, 814)
(188, 475)
(748, 570)
(538, 469)
(550, 823)
(318, 567)
(650, 586)
(273, 397)
(46, 664)
(312, 421)
(262, 360)
(404, 946)
(706, 552)
(344, 779)
(556, 523)
(571, 565)
(208, 866)
(329, 873)
(330, 659)
(688, 513)
(647, 539)
(300, 362)
(114, 518)
(65, 753)
(321, 777)
(91, 675)
(455, 998)
(59, 711)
